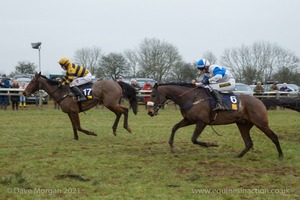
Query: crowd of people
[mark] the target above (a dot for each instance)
(15, 97)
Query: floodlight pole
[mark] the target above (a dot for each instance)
(38, 46)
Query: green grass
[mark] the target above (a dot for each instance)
(40, 159)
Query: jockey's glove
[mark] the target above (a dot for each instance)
(205, 81)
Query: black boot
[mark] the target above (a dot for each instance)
(218, 98)
(77, 91)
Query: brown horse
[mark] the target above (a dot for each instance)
(106, 92)
(196, 109)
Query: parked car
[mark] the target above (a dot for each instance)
(293, 87)
(241, 88)
(33, 98)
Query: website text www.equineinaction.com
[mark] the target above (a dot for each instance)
(242, 191)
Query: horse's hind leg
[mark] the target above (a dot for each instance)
(244, 128)
(268, 132)
(118, 112)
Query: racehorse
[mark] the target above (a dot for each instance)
(196, 109)
(291, 103)
(106, 92)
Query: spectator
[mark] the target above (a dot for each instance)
(4, 97)
(284, 88)
(22, 97)
(273, 87)
(147, 86)
(259, 88)
(135, 85)
(14, 98)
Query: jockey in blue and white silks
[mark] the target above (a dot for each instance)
(217, 78)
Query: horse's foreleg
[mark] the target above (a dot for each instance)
(74, 117)
(245, 132)
(180, 124)
(198, 130)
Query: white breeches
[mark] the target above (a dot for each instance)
(224, 86)
(81, 80)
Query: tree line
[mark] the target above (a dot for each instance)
(160, 60)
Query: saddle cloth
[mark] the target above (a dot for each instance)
(230, 101)
(86, 90)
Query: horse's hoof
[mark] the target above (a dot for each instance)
(94, 134)
(213, 144)
(115, 134)
(128, 129)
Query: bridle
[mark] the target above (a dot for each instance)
(51, 93)
(157, 104)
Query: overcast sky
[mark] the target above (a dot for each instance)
(193, 26)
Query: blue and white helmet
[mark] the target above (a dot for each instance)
(202, 63)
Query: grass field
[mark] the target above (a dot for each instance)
(40, 160)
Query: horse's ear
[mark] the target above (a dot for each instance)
(155, 85)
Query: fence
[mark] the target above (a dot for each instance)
(145, 93)
(6, 91)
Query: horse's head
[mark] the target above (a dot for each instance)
(157, 100)
(33, 86)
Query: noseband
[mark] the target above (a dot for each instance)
(157, 104)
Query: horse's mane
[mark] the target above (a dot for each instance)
(184, 84)
(50, 81)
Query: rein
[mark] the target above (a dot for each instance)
(181, 95)
(51, 93)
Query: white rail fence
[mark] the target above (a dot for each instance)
(145, 93)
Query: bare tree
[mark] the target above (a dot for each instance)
(89, 58)
(132, 60)
(157, 58)
(182, 72)
(258, 62)
(114, 65)
(210, 57)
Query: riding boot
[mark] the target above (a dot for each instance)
(79, 93)
(218, 98)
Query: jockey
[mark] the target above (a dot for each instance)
(217, 78)
(75, 75)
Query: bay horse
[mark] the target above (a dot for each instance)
(106, 92)
(196, 109)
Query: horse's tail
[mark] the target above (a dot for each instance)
(130, 93)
